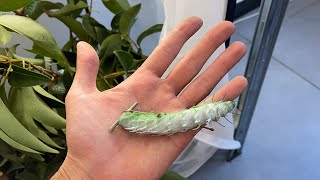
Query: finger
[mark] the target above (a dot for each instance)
(168, 49)
(87, 67)
(193, 62)
(231, 90)
(203, 85)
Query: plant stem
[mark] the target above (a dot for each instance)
(116, 74)
(135, 44)
(90, 7)
(9, 61)
(3, 162)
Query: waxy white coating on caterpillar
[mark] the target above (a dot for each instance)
(171, 123)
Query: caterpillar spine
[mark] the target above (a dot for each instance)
(174, 122)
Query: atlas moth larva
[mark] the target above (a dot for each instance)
(174, 122)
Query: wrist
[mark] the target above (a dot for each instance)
(70, 170)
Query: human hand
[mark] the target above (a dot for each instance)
(94, 153)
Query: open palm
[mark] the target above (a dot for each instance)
(94, 153)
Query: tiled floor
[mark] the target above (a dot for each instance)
(284, 137)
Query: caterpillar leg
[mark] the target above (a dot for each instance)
(211, 129)
(228, 120)
(219, 123)
(116, 123)
(196, 127)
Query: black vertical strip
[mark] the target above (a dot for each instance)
(246, 6)
(231, 8)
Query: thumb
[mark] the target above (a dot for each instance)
(87, 67)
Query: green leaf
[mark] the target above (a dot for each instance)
(24, 78)
(46, 139)
(13, 48)
(67, 79)
(110, 44)
(102, 34)
(38, 62)
(25, 100)
(116, 6)
(68, 9)
(25, 175)
(116, 21)
(154, 29)
(5, 35)
(50, 129)
(68, 46)
(35, 156)
(44, 93)
(88, 26)
(170, 175)
(5, 148)
(15, 144)
(17, 132)
(17, 107)
(3, 94)
(11, 5)
(75, 26)
(43, 42)
(125, 59)
(40, 7)
(128, 19)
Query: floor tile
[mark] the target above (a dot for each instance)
(297, 44)
(283, 141)
(295, 7)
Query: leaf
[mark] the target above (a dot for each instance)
(110, 44)
(102, 34)
(116, 21)
(15, 144)
(35, 156)
(12, 5)
(50, 129)
(88, 26)
(68, 9)
(24, 78)
(75, 26)
(170, 175)
(46, 139)
(25, 175)
(38, 62)
(154, 29)
(128, 19)
(43, 42)
(41, 7)
(116, 6)
(5, 148)
(67, 79)
(44, 93)
(25, 99)
(3, 94)
(13, 48)
(5, 35)
(125, 59)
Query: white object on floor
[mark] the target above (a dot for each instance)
(206, 142)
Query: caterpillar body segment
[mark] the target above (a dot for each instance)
(171, 123)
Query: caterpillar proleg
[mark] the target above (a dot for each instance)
(174, 122)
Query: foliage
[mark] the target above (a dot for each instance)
(32, 111)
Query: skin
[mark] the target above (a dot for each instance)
(94, 153)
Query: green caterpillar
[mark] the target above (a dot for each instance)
(171, 123)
